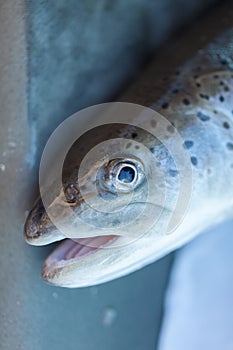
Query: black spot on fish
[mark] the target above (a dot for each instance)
(175, 91)
(223, 62)
(226, 125)
(198, 85)
(194, 160)
(206, 97)
(137, 147)
(152, 150)
(226, 88)
(229, 146)
(203, 117)
(173, 172)
(188, 144)
(221, 98)
(195, 76)
(186, 102)
(134, 135)
(221, 83)
(216, 76)
(165, 105)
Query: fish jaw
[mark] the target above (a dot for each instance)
(92, 266)
(87, 261)
(71, 263)
(96, 260)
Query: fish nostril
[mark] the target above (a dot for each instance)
(71, 193)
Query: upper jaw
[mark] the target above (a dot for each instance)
(38, 228)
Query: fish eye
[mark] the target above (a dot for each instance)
(123, 174)
(126, 174)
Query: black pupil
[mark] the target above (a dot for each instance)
(126, 175)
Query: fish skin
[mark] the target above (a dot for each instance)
(199, 103)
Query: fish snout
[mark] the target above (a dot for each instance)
(38, 228)
(32, 225)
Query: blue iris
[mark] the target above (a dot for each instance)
(126, 174)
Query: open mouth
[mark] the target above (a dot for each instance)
(69, 253)
(39, 230)
(70, 250)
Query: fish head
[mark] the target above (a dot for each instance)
(110, 196)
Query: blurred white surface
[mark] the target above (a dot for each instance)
(199, 301)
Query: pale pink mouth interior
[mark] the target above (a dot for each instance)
(74, 249)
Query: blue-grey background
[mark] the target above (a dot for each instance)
(57, 57)
(83, 52)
